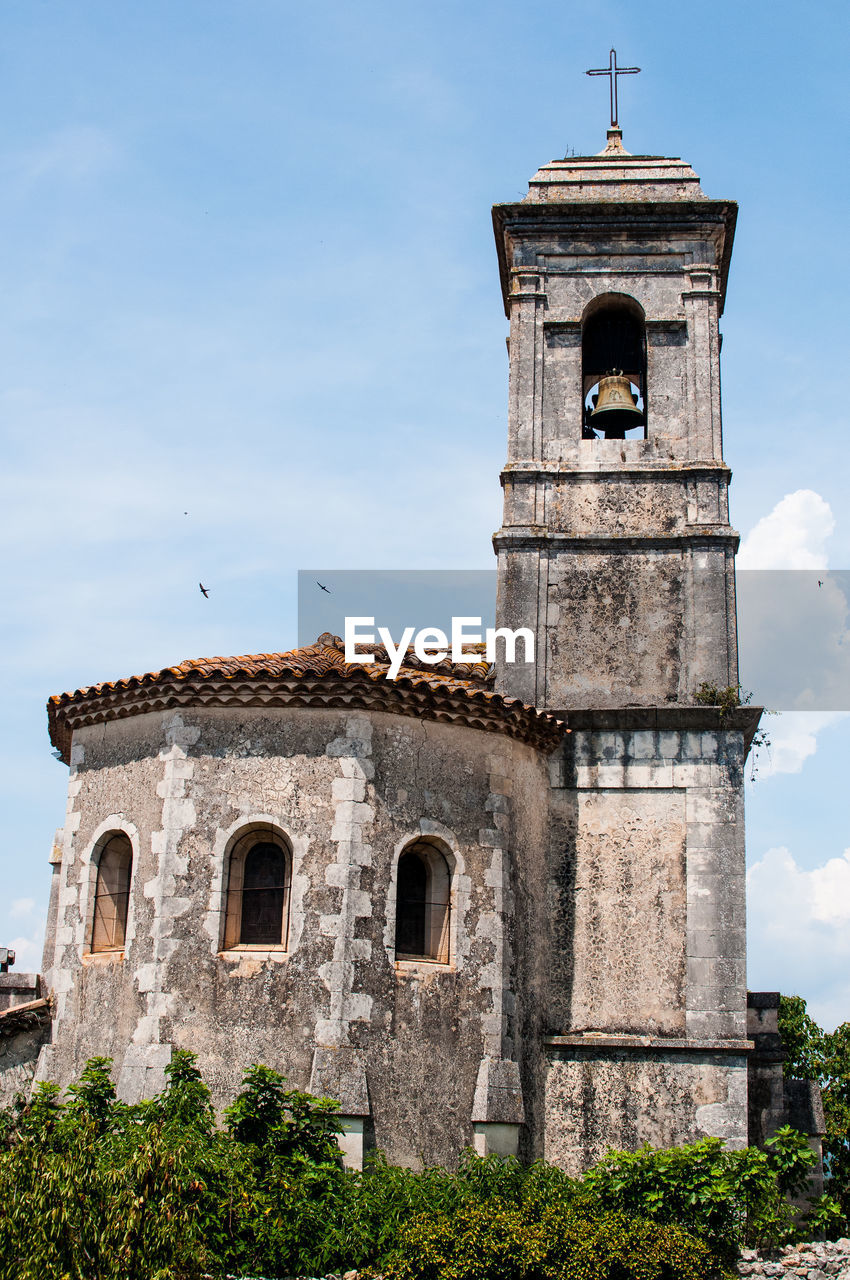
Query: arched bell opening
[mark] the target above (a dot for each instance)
(613, 359)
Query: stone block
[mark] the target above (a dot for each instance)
(495, 1139)
(650, 773)
(643, 746)
(719, 1024)
(498, 1093)
(353, 789)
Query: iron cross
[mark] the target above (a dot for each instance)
(612, 71)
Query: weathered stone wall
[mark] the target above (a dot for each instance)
(536, 946)
(602, 541)
(627, 503)
(596, 960)
(18, 988)
(641, 1020)
(622, 630)
(24, 1028)
(621, 1098)
(652, 894)
(18, 1058)
(630, 912)
(774, 1099)
(400, 1042)
(820, 1260)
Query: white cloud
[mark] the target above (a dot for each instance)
(830, 885)
(793, 740)
(799, 939)
(22, 907)
(793, 536)
(28, 948)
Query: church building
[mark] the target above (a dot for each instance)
(499, 906)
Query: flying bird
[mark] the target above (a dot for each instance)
(204, 590)
(820, 584)
(321, 588)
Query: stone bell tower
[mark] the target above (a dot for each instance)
(617, 552)
(615, 547)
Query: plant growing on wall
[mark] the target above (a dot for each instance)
(726, 700)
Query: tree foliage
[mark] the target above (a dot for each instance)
(93, 1189)
(510, 1243)
(824, 1056)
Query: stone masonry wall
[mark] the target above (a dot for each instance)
(640, 1093)
(402, 1044)
(829, 1260)
(19, 1052)
(24, 1028)
(651, 887)
(642, 1026)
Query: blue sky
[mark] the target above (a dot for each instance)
(247, 272)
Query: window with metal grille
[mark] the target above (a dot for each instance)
(258, 891)
(112, 894)
(422, 904)
(263, 894)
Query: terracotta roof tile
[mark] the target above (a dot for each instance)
(314, 674)
(23, 1017)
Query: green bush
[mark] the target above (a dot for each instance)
(97, 1189)
(825, 1219)
(92, 1189)
(483, 1240)
(824, 1056)
(727, 1198)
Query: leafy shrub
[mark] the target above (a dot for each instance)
(791, 1159)
(727, 1198)
(97, 1189)
(283, 1123)
(824, 1056)
(92, 1189)
(825, 1220)
(376, 1207)
(561, 1244)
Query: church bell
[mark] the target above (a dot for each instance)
(616, 408)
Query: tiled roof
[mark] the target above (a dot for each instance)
(315, 674)
(23, 1017)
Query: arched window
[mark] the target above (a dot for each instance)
(112, 894)
(258, 891)
(423, 897)
(613, 360)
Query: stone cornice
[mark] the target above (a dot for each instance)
(448, 702)
(597, 1043)
(653, 469)
(537, 537)
(672, 718)
(659, 218)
